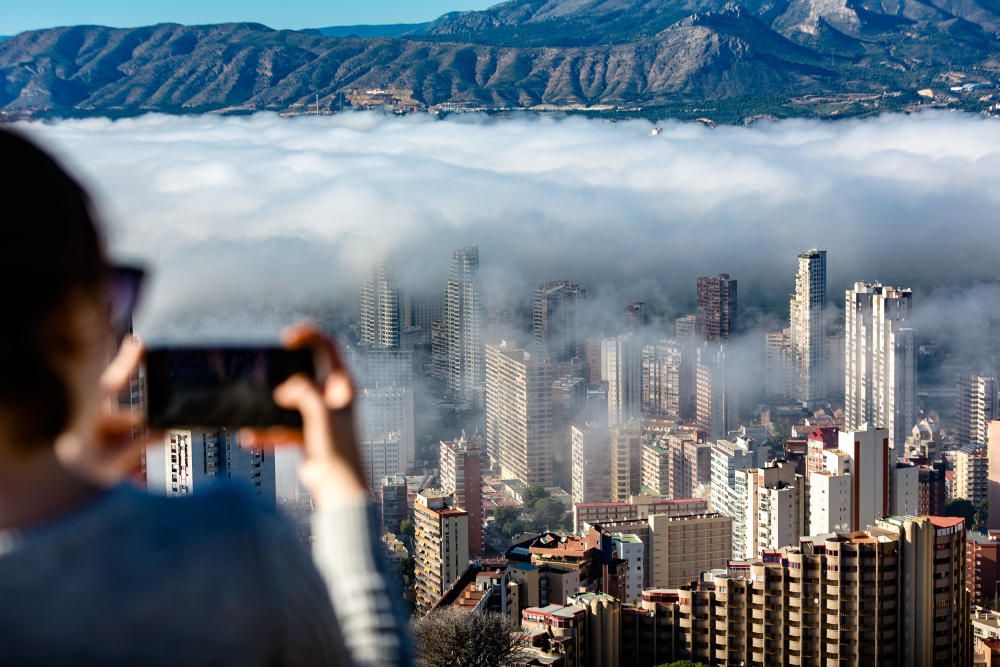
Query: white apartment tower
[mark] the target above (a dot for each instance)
(621, 364)
(808, 326)
(591, 446)
(463, 322)
(773, 505)
(977, 407)
(880, 365)
(380, 308)
(519, 414)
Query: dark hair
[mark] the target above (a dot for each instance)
(53, 251)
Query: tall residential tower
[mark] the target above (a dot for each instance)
(808, 326)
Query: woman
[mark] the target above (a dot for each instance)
(94, 571)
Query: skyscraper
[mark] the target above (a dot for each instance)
(591, 445)
(716, 318)
(977, 406)
(519, 414)
(621, 359)
(716, 408)
(808, 326)
(880, 366)
(635, 316)
(441, 540)
(993, 482)
(626, 460)
(463, 322)
(461, 476)
(772, 500)
(380, 308)
(392, 502)
(661, 380)
(780, 368)
(555, 320)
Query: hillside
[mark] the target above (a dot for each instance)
(682, 57)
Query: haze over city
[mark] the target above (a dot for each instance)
(547, 333)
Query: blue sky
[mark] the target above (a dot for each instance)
(19, 15)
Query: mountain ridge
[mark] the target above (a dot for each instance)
(772, 57)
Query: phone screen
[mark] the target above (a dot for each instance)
(221, 387)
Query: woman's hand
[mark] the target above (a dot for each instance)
(113, 451)
(331, 470)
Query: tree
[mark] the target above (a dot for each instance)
(547, 515)
(406, 527)
(532, 495)
(962, 508)
(455, 638)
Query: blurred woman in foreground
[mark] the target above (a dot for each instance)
(94, 571)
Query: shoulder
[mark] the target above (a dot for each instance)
(224, 515)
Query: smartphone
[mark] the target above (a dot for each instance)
(227, 387)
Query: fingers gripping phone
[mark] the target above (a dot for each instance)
(221, 387)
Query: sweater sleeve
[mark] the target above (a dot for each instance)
(349, 555)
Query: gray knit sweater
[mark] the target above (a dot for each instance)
(212, 579)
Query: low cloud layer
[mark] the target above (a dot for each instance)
(240, 216)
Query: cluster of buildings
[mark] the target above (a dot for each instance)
(700, 529)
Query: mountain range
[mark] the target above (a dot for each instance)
(687, 58)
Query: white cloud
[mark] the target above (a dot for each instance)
(257, 212)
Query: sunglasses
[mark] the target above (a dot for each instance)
(124, 289)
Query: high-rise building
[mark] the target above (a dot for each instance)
(439, 364)
(385, 409)
(392, 502)
(972, 474)
(933, 607)
(880, 366)
(655, 473)
(808, 326)
(683, 547)
(728, 456)
(626, 460)
(717, 307)
(555, 320)
(569, 406)
(441, 541)
(831, 505)
(519, 414)
(381, 456)
(420, 311)
(686, 327)
(982, 568)
(780, 369)
(716, 408)
(591, 463)
(621, 360)
(661, 380)
(886, 596)
(635, 316)
(191, 459)
(773, 506)
(690, 463)
(977, 406)
(463, 321)
(380, 308)
(461, 476)
(631, 550)
(993, 482)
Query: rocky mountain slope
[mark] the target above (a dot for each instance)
(784, 57)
